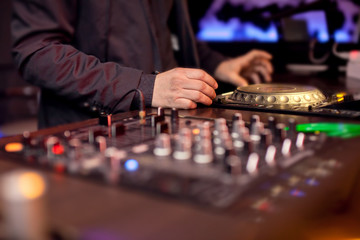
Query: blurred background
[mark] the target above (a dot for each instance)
(306, 37)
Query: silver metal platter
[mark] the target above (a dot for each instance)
(278, 94)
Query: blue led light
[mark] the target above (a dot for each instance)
(312, 182)
(131, 165)
(235, 27)
(342, 36)
(297, 193)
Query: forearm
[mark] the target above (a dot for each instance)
(44, 52)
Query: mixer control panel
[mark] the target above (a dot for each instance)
(217, 162)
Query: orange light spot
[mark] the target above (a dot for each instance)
(196, 131)
(31, 185)
(339, 95)
(14, 147)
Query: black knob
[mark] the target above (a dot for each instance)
(292, 128)
(280, 132)
(272, 124)
(266, 138)
(174, 115)
(236, 117)
(254, 119)
(160, 111)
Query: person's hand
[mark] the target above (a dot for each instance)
(183, 88)
(254, 66)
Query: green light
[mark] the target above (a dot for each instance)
(343, 130)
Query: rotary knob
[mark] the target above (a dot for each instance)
(203, 152)
(162, 145)
(183, 145)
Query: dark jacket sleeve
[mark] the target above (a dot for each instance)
(43, 49)
(209, 59)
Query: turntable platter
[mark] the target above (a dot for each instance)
(278, 94)
(286, 98)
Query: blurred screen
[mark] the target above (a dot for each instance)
(251, 20)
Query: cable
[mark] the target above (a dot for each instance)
(312, 57)
(142, 112)
(342, 55)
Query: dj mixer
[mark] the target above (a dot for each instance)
(256, 172)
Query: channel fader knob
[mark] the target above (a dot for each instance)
(162, 145)
(183, 144)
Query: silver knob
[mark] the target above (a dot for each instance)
(162, 145)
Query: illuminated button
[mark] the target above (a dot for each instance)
(58, 149)
(196, 131)
(14, 147)
(271, 99)
(131, 165)
(297, 193)
(312, 182)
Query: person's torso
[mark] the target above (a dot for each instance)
(132, 33)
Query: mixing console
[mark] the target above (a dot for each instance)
(212, 161)
(253, 167)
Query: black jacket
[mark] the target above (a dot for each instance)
(86, 55)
